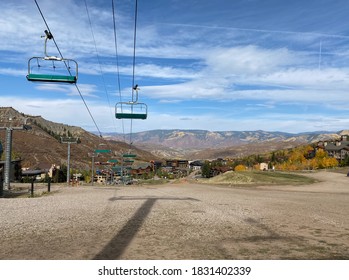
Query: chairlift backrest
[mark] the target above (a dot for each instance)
(52, 69)
(131, 110)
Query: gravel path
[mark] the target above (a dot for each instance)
(180, 221)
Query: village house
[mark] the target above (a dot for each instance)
(141, 169)
(177, 167)
(42, 170)
(263, 166)
(116, 173)
(177, 163)
(338, 149)
(216, 170)
(196, 165)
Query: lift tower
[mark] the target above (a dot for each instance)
(8, 148)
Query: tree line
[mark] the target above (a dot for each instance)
(300, 158)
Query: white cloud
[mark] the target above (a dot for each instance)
(67, 111)
(12, 72)
(296, 97)
(73, 112)
(69, 90)
(248, 60)
(323, 79)
(276, 75)
(52, 87)
(183, 91)
(85, 89)
(17, 26)
(179, 62)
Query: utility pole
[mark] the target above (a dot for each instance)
(8, 149)
(101, 151)
(1, 183)
(93, 155)
(69, 140)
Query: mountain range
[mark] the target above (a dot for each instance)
(204, 144)
(42, 143)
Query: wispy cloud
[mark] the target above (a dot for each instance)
(228, 64)
(69, 90)
(62, 110)
(12, 72)
(256, 30)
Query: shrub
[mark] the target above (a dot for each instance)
(240, 167)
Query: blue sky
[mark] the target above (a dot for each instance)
(216, 65)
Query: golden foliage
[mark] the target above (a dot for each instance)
(240, 167)
(297, 160)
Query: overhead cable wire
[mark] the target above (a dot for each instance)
(134, 47)
(60, 53)
(117, 63)
(134, 62)
(99, 63)
(116, 49)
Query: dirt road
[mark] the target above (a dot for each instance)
(181, 221)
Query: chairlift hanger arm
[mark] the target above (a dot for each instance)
(135, 89)
(47, 77)
(48, 36)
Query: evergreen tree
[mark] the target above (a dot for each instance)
(206, 170)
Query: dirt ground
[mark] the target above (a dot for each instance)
(180, 221)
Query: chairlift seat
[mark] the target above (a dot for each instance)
(57, 72)
(51, 78)
(129, 155)
(131, 110)
(130, 116)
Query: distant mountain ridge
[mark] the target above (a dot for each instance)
(205, 143)
(42, 144)
(191, 139)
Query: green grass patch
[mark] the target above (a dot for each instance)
(280, 178)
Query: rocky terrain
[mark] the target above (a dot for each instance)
(42, 145)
